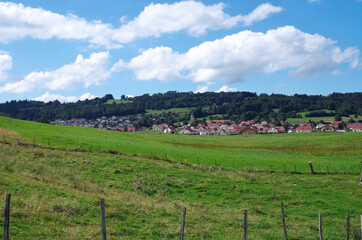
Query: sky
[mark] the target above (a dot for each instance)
(74, 50)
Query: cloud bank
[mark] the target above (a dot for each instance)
(86, 71)
(47, 97)
(234, 57)
(18, 21)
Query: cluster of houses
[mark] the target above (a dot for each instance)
(124, 123)
(210, 127)
(226, 127)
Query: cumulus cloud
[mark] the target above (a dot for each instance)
(260, 13)
(201, 89)
(47, 97)
(18, 22)
(87, 71)
(245, 53)
(225, 88)
(6, 63)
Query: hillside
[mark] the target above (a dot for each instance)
(235, 106)
(56, 190)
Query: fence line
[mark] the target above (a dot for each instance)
(182, 231)
(217, 166)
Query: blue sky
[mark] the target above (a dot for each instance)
(71, 50)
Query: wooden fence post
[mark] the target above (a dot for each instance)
(320, 227)
(271, 168)
(165, 157)
(295, 168)
(347, 225)
(103, 219)
(343, 170)
(18, 141)
(7, 217)
(245, 224)
(284, 225)
(183, 223)
(311, 167)
(5, 141)
(198, 161)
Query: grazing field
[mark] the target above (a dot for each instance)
(55, 194)
(259, 152)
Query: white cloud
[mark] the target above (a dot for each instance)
(245, 53)
(47, 97)
(226, 89)
(87, 71)
(201, 89)
(260, 13)
(18, 22)
(87, 96)
(6, 63)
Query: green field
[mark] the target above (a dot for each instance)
(318, 119)
(173, 110)
(56, 192)
(118, 101)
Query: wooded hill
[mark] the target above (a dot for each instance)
(236, 105)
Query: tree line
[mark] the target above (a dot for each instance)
(234, 105)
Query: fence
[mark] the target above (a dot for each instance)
(244, 232)
(210, 166)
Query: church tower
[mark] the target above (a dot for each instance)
(192, 118)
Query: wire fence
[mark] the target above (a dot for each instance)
(236, 166)
(176, 223)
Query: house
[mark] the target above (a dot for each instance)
(188, 131)
(355, 127)
(327, 128)
(304, 129)
(273, 130)
(170, 129)
(280, 129)
(203, 132)
(248, 131)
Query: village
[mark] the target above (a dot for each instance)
(211, 127)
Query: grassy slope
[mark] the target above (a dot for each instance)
(335, 150)
(118, 101)
(57, 193)
(317, 119)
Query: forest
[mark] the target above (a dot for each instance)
(235, 105)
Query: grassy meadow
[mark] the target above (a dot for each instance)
(55, 193)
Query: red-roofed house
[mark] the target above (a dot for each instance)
(355, 127)
(304, 129)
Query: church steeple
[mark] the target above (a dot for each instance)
(192, 118)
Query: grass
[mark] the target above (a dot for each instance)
(317, 119)
(118, 101)
(335, 150)
(173, 110)
(55, 194)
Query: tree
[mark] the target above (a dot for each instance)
(43, 120)
(337, 117)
